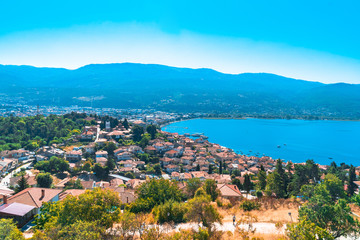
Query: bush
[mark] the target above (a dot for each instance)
(170, 211)
(219, 203)
(249, 205)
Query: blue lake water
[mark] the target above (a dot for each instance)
(295, 140)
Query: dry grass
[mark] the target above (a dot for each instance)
(231, 236)
(275, 211)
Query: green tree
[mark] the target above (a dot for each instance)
(74, 184)
(110, 147)
(101, 172)
(192, 186)
(155, 192)
(305, 230)
(274, 184)
(335, 217)
(157, 169)
(170, 211)
(22, 183)
(262, 178)
(44, 180)
(99, 206)
(211, 189)
(247, 183)
(125, 123)
(137, 131)
(335, 186)
(351, 188)
(201, 210)
(9, 231)
(152, 130)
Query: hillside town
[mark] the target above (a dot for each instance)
(124, 155)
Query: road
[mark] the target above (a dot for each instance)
(6, 180)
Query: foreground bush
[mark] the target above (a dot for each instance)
(250, 205)
(170, 211)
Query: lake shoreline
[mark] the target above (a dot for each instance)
(279, 138)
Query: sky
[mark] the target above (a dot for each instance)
(304, 39)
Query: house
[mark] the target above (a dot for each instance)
(71, 192)
(90, 148)
(101, 160)
(35, 197)
(123, 156)
(150, 149)
(19, 212)
(172, 168)
(20, 154)
(229, 191)
(172, 153)
(115, 135)
(7, 163)
(103, 154)
(74, 156)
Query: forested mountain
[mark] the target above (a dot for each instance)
(130, 85)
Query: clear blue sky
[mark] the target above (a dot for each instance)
(312, 40)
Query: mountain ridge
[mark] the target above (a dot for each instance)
(129, 85)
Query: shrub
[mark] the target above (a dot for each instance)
(170, 211)
(219, 203)
(249, 205)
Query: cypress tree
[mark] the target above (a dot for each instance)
(351, 185)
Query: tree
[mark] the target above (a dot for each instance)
(305, 230)
(74, 184)
(110, 147)
(54, 165)
(210, 169)
(262, 178)
(152, 130)
(210, 188)
(101, 172)
(170, 211)
(144, 141)
(157, 169)
(125, 123)
(22, 183)
(335, 186)
(130, 175)
(351, 188)
(197, 167)
(220, 167)
(335, 217)
(237, 182)
(155, 192)
(44, 180)
(201, 210)
(247, 183)
(283, 183)
(99, 206)
(274, 184)
(192, 186)
(137, 131)
(9, 231)
(110, 164)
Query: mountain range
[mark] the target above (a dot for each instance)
(131, 85)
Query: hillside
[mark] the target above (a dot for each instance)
(130, 85)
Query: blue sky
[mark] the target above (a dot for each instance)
(312, 40)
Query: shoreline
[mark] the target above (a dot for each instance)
(321, 160)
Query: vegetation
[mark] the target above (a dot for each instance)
(9, 231)
(54, 165)
(36, 131)
(44, 180)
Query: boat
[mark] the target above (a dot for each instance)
(278, 146)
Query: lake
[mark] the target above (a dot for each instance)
(295, 140)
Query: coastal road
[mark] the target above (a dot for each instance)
(6, 180)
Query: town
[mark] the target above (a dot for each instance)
(125, 155)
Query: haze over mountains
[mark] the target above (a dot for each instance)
(130, 85)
